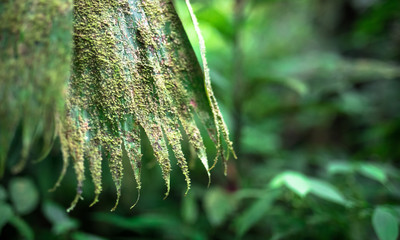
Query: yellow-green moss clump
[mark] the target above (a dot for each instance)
(132, 68)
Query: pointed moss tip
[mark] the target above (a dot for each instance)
(234, 154)
(212, 167)
(78, 197)
(215, 159)
(96, 200)
(56, 185)
(137, 199)
(167, 193)
(231, 150)
(187, 189)
(116, 203)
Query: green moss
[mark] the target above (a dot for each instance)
(132, 68)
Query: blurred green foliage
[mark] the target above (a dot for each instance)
(310, 90)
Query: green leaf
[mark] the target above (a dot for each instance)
(396, 210)
(385, 223)
(326, 191)
(340, 167)
(297, 85)
(3, 193)
(139, 71)
(93, 71)
(218, 204)
(190, 210)
(255, 212)
(23, 228)
(59, 219)
(294, 84)
(85, 236)
(295, 181)
(260, 139)
(145, 221)
(372, 171)
(24, 195)
(5, 213)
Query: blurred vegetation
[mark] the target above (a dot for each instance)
(310, 91)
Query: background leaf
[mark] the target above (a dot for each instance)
(340, 168)
(295, 181)
(255, 212)
(86, 236)
(372, 171)
(59, 219)
(385, 224)
(190, 210)
(218, 204)
(6, 213)
(326, 191)
(23, 194)
(3, 193)
(23, 228)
